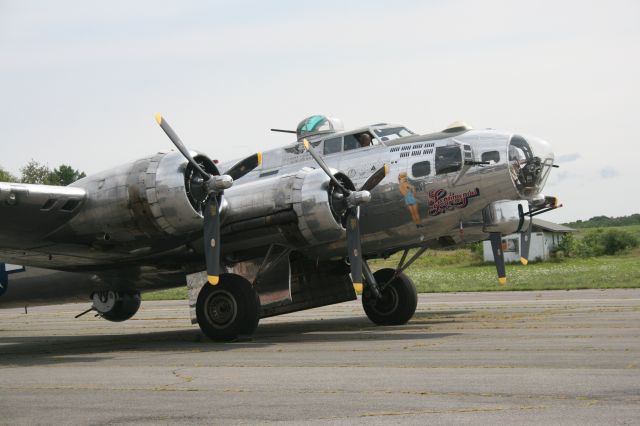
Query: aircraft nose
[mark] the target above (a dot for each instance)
(530, 161)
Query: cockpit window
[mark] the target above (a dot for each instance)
(448, 159)
(332, 145)
(350, 142)
(392, 133)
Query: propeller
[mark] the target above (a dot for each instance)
(498, 256)
(525, 243)
(214, 185)
(351, 216)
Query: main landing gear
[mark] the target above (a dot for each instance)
(397, 302)
(228, 310)
(389, 296)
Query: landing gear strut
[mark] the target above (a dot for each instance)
(398, 298)
(229, 309)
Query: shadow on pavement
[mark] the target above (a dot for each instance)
(43, 350)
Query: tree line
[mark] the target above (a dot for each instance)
(35, 172)
(605, 221)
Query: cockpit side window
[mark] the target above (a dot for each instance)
(448, 159)
(350, 142)
(332, 145)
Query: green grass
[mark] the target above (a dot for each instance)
(598, 272)
(463, 270)
(179, 293)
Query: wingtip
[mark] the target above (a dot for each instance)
(502, 280)
(213, 279)
(158, 118)
(524, 261)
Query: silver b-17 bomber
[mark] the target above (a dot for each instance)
(280, 231)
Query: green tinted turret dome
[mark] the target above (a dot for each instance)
(318, 124)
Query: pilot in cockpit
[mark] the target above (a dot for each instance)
(365, 140)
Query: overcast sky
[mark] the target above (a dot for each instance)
(80, 81)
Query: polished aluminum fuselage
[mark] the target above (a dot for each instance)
(138, 213)
(386, 223)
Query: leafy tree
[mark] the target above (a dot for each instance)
(605, 221)
(5, 176)
(35, 172)
(64, 175)
(609, 242)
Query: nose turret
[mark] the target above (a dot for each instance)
(530, 161)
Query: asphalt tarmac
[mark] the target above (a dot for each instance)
(564, 357)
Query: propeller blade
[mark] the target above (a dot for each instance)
(525, 239)
(212, 239)
(375, 178)
(353, 246)
(324, 166)
(243, 167)
(498, 256)
(178, 143)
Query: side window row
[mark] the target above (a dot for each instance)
(448, 160)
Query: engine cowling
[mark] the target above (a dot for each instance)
(307, 196)
(151, 197)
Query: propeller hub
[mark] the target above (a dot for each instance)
(357, 198)
(219, 183)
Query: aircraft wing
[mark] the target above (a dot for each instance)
(28, 213)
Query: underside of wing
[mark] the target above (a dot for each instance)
(28, 213)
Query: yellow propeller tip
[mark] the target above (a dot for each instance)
(358, 287)
(502, 280)
(213, 279)
(259, 158)
(524, 261)
(386, 169)
(305, 142)
(158, 117)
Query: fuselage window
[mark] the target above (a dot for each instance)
(332, 145)
(350, 142)
(420, 169)
(490, 156)
(448, 159)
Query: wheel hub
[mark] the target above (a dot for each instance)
(387, 303)
(221, 309)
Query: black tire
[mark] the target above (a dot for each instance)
(124, 308)
(228, 310)
(398, 303)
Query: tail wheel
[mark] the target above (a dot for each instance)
(229, 309)
(116, 306)
(398, 302)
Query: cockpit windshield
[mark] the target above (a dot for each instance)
(392, 133)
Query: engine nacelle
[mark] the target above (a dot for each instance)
(307, 195)
(151, 197)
